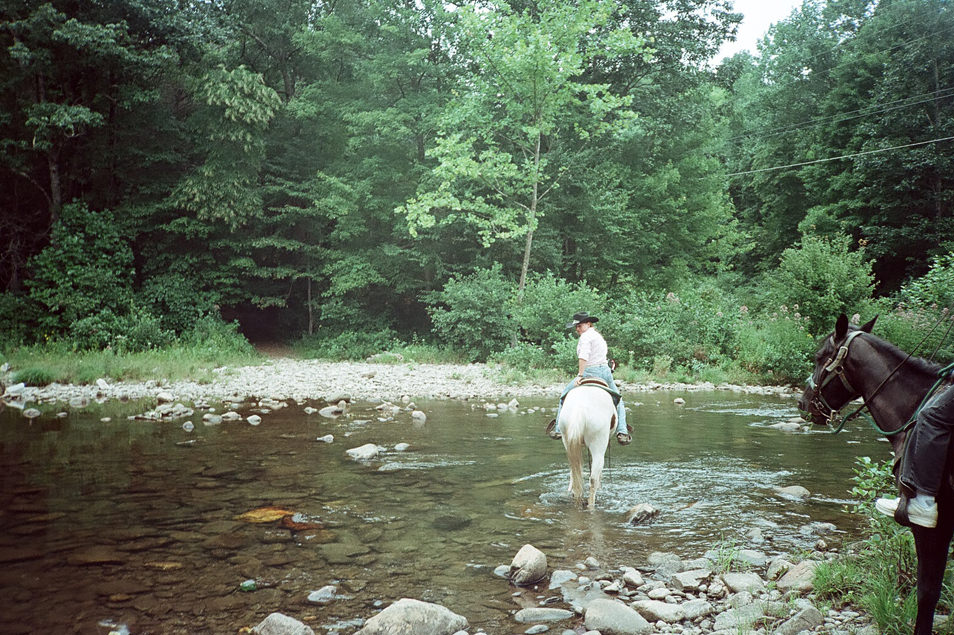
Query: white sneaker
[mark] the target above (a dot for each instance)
(918, 513)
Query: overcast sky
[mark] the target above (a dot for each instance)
(759, 15)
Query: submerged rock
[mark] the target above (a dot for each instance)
(413, 616)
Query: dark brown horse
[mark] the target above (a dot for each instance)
(852, 363)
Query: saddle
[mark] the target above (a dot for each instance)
(599, 383)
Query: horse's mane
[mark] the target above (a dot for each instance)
(917, 363)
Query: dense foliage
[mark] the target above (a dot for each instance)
(370, 174)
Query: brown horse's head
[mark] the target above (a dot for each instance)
(827, 389)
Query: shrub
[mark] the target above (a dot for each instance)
(777, 345)
(824, 278)
(176, 300)
(471, 313)
(525, 356)
(216, 338)
(133, 333)
(935, 289)
(548, 303)
(353, 345)
(907, 327)
(86, 269)
(686, 325)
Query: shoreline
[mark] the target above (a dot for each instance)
(313, 380)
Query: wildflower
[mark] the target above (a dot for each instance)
(856, 318)
(743, 309)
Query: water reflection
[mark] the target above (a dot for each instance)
(138, 523)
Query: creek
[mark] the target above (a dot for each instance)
(139, 524)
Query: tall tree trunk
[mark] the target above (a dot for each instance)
(533, 217)
(311, 320)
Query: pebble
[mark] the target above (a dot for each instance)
(298, 379)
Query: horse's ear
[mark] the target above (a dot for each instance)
(870, 325)
(841, 327)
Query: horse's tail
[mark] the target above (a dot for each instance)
(573, 436)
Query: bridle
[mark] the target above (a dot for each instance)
(834, 368)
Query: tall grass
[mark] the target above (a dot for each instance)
(879, 576)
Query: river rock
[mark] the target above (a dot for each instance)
(324, 595)
(805, 620)
(794, 492)
(560, 577)
(655, 610)
(744, 616)
(165, 396)
(253, 420)
(747, 581)
(799, 578)
(413, 616)
(535, 614)
(31, 413)
(689, 581)
(632, 577)
(279, 624)
(528, 567)
(419, 416)
(610, 617)
(641, 513)
(365, 452)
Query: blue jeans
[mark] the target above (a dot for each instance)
(603, 372)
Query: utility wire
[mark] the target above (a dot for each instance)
(845, 156)
(847, 116)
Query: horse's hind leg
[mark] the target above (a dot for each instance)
(932, 547)
(596, 476)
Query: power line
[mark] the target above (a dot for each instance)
(849, 115)
(845, 156)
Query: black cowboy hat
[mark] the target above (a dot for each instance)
(579, 318)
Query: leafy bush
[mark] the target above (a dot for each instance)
(684, 325)
(86, 269)
(353, 345)
(471, 313)
(907, 327)
(548, 303)
(824, 278)
(524, 356)
(176, 300)
(935, 289)
(777, 345)
(214, 338)
(132, 333)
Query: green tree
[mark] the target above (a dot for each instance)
(516, 115)
(86, 270)
(822, 278)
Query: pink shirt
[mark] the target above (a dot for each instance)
(591, 347)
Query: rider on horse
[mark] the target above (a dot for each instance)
(591, 354)
(922, 468)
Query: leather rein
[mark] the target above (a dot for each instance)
(835, 367)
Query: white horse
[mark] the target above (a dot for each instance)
(587, 418)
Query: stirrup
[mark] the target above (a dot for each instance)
(552, 430)
(624, 438)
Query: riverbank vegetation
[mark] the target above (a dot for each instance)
(879, 575)
(385, 179)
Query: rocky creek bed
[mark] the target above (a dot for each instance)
(688, 594)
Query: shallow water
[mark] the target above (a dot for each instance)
(134, 523)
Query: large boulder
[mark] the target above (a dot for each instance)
(610, 617)
(528, 567)
(413, 617)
